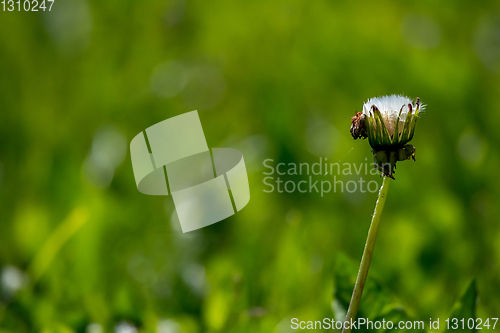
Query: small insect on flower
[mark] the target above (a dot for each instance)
(358, 126)
(389, 124)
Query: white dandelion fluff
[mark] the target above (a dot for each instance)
(391, 119)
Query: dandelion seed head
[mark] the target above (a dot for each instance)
(391, 107)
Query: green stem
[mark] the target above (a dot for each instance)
(367, 255)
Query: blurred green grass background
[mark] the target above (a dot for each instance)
(81, 250)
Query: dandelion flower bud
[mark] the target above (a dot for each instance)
(389, 123)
